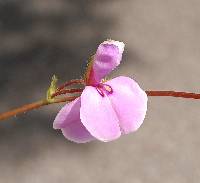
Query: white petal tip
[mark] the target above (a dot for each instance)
(119, 44)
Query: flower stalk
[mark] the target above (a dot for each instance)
(32, 106)
(41, 103)
(173, 94)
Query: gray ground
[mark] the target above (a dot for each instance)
(40, 38)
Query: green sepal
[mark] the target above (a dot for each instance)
(88, 67)
(52, 89)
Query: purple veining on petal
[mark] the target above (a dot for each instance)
(108, 88)
(100, 91)
(104, 88)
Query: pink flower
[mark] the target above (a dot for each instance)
(105, 110)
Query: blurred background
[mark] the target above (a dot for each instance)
(39, 38)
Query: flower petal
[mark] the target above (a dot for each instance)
(70, 112)
(76, 132)
(129, 102)
(98, 116)
(107, 58)
(68, 120)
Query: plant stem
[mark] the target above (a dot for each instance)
(173, 94)
(74, 81)
(32, 106)
(61, 92)
(41, 103)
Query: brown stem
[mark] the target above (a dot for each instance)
(74, 81)
(41, 103)
(32, 106)
(173, 94)
(61, 92)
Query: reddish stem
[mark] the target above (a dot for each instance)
(74, 81)
(39, 104)
(32, 106)
(173, 94)
(61, 92)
